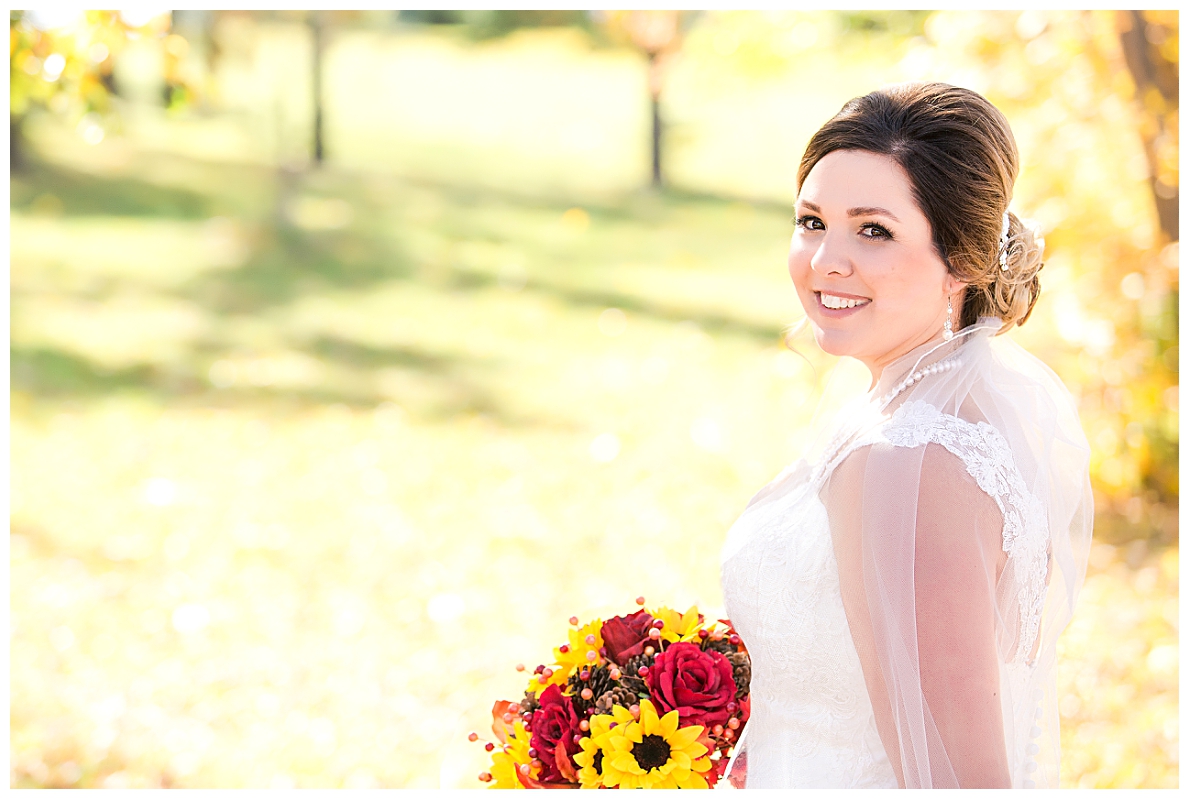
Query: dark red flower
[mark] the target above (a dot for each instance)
(555, 722)
(697, 684)
(624, 637)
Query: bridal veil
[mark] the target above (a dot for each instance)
(960, 510)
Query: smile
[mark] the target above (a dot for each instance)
(835, 303)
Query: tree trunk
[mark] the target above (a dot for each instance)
(654, 93)
(317, 25)
(1156, 95)
(16, 148)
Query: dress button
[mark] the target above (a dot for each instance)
(1030, 766)
(1029, 784)
(1035, 732)
(1033, 749)
(1039, 712)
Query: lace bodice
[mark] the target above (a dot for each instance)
(812, 723)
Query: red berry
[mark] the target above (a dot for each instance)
(485, 777)
(639, 600)
(642, 671)
(520, 667)
(658, 623)
(574, 620)
(703, 634)
(734, 639)
(539, 669)
(577, 738)
(532, 752)
(490, 747)
(564, 648)
(474, 736)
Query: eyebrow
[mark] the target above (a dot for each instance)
(865, 210)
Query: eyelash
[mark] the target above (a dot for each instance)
(884, 233)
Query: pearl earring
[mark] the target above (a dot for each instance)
(947, 330)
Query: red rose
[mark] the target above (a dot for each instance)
(624, 637)
(697, 684)
(555, 723)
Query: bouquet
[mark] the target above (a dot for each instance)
(651, 699)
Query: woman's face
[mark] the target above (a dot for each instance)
(863, 261)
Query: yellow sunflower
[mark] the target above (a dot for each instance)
(654, 753)
(590, 759)
(679, 626)
(504, 764)
(574, 658)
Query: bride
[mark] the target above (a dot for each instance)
(901, 589)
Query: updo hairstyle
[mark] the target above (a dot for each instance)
(961, 158)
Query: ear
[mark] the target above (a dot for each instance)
(954, 287)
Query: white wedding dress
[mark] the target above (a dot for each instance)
(979, 406)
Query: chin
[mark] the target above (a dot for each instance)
(832, 342)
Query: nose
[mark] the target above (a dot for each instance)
(830, 257)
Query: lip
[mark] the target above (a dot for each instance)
(839, 313)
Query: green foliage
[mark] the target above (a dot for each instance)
(68, 72)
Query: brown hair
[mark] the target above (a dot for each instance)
(960, 156)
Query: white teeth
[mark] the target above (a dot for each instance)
(835, 303)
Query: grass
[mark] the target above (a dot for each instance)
(303, 463)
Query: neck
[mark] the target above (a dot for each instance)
(893, 365)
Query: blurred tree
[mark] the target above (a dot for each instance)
(492, 23)
(658, 34)
(1092, 99)
(322, 25)
(317, 23)
(1150, 46)
(63, 66)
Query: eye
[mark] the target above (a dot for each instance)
(872, 230)
(810, 223)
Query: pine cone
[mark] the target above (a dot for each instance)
(632, 667)
(722, 646)
(599, 683)
(631, 679)
(741, 671)
(529, 703)
(616, 696)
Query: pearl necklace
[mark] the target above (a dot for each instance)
(932, 369)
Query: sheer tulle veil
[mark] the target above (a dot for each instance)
(958, 494)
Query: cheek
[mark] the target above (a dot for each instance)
(799, 258)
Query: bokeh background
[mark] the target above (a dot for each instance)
(352, 352)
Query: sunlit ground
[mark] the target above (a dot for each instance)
(302, 467)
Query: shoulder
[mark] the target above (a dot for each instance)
(924, 445)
